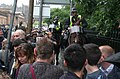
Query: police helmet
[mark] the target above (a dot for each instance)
(56, 18)
(74, 10)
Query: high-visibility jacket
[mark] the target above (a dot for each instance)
(58, 26)
(79, 16)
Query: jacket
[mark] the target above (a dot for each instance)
(42, 71)
(69, 75)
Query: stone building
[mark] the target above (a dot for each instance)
(5, 17)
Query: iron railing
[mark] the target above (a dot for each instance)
(112, 39)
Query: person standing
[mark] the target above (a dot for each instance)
(42, 67)
(2, 51)
(24, 53)
(93, 54)
(110, 70)
(74, 61)
(56, 34)
(19, 34)
(11, 57)
(1, 37)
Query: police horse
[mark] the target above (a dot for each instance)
(57, 38)
(77, 35)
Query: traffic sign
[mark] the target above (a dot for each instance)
(59, 2)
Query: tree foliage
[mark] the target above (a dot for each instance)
(100, 14)
(62, 14)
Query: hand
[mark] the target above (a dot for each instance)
(119, 27)
(78, 22)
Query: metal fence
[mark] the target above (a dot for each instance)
(112, 39)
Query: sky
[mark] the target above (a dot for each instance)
(20, 2)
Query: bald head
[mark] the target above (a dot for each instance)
(106, 50)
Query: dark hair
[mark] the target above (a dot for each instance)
(93, 53)
(75, 57)
(24, 49)
(22, 28)
(45, 48)
(18, 41)
(27, 48)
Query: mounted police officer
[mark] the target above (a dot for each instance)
(76, 23)
(56, 34)
(57, 27)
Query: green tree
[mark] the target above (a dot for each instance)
(102, 14)
(62, 13)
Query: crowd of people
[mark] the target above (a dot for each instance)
(36, 56)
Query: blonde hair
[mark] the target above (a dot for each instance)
(21, 33)
(106, 49)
